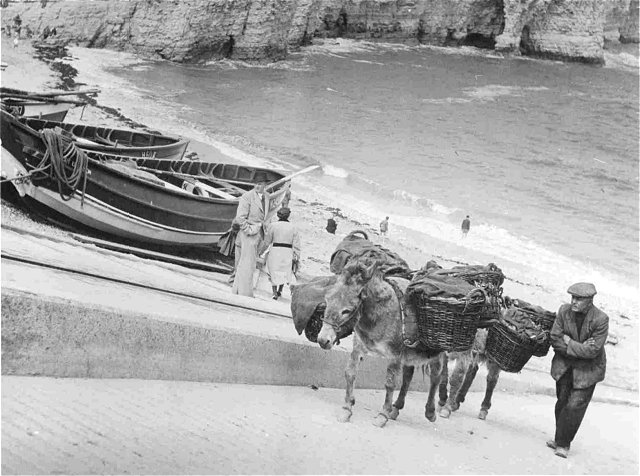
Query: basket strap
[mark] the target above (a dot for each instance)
(400, 297)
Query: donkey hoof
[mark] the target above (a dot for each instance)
(380, 421)
(445, 412)
(455, 406)
(394, 413)
(345, 415)
(431, 416)
(483, 414)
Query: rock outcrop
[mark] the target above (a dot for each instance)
(438, 22)
(197, 30)
(556, 29)
(629, 29)
(178, 30)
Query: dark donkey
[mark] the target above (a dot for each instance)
(363, 298)
(464, 372)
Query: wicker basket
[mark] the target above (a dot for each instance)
(483, 279)
(507, 349)
(492, 309)
(447, 323)
(541, 348)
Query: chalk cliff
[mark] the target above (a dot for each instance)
(629, 28)
(177, 30)
(195, 30)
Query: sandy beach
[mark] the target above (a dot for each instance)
(310, 216)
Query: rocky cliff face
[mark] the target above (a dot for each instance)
(557, 29)
(177, 30)
(193, 30)
(629, 28)
(439, 22)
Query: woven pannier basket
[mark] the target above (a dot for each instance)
(546, 322)
(448, 324)
(485, 279)
(508, 349)
(491, 281)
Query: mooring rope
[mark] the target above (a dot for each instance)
(65, 163)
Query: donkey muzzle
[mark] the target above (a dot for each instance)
(327, 337)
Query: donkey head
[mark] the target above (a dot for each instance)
(343, 302)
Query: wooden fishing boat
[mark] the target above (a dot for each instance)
(114, 194)
(53, 111)
(123, 142)
(48, 106)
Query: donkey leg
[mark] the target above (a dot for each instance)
(492, 380)
(436, 366)
(444, 382)
(350, 377)
(407, 376)
(455, 382)
(392, 372)
(468, 380)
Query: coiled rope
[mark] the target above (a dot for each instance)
(64, 163)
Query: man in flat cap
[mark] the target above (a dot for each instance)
(578, 337)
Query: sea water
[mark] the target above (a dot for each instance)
(542, 155)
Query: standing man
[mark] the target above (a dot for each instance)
(384, 227)
(578, 336)
(466, 225)
(251, 216)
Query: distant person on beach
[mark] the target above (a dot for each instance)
(250, 217)
(466, 225)
(578, 336)
(284, 240)
(331, 226)
(384, 228)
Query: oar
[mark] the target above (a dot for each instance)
(290, 176)
(48, 99)
(49, 93)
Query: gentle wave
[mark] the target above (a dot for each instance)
(622, 61)
(368, 62)
(485, 93)
(490, 92)
(293, 64)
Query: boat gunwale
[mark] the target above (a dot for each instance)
(174, 140)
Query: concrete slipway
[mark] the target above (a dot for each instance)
(129, 317)
(129, 344)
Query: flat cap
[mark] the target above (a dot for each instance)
(582, 290)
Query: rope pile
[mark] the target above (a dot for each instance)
(64, 163)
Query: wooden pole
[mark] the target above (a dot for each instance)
(290, 176)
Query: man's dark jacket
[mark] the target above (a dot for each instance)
(588, 362)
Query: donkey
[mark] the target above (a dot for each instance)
(363, 296)
(464, 372)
